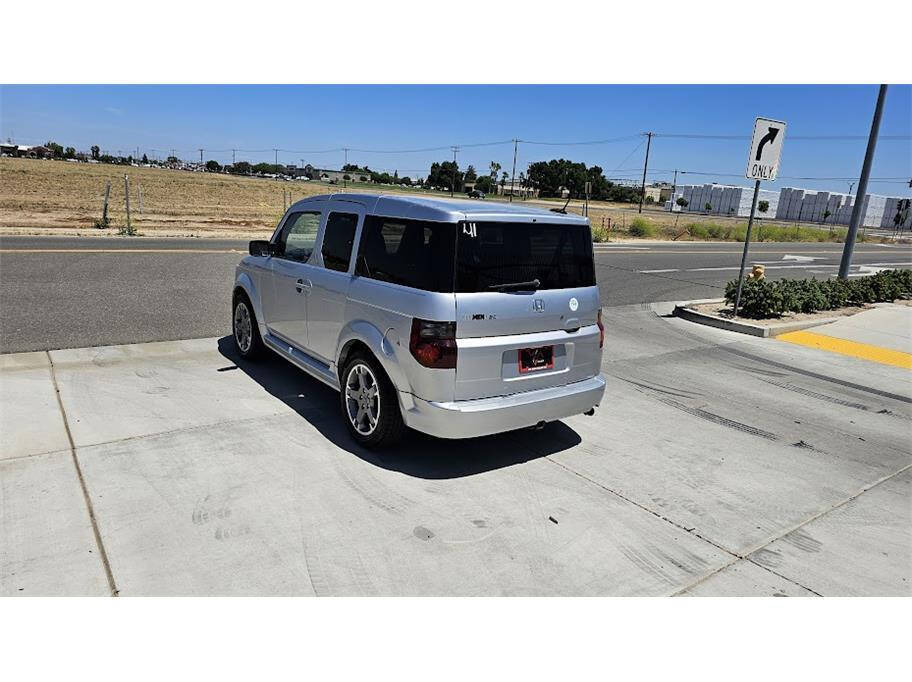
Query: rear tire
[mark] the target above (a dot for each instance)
(369, 403)
(245, 330)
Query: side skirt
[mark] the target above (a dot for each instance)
(303, 360)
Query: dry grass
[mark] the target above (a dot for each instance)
(43, 195)
(38, 196)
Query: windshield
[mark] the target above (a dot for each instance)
(492, 254)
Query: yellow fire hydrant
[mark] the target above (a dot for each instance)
(757, 271)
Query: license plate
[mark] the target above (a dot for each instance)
(536, 359)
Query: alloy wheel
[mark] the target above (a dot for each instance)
(362, 399)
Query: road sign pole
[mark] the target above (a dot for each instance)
(862, 187)
(747, 239)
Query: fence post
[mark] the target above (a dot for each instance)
(140, 201)
(104, 212)
(127, 195)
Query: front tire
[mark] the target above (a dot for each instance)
(369, 403)
(245, 330)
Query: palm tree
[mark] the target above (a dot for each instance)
(494, 168)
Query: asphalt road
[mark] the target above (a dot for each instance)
(71, 292)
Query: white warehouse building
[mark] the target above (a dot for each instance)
(726, 200)
(791, 203)
(833, 207)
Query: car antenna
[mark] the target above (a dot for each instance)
(564, 209)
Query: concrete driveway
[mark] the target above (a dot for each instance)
(717, 465)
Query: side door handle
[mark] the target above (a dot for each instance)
(303, 285)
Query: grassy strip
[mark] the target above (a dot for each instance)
(644, 228)
(764, 299)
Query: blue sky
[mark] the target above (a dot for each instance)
(376, 117)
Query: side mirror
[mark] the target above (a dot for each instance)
(261, 247)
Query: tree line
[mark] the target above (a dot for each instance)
(550, 178)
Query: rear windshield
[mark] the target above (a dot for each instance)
(489, 254)
(474, 256)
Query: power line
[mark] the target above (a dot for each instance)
(591, 142)
(696, 136)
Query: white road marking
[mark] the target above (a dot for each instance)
(800, 259)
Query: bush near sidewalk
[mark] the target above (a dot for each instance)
(640, 227)
(763, 299)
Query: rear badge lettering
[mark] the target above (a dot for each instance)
(469, 229)
(574, 304)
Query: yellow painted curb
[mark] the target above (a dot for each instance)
(884, 356)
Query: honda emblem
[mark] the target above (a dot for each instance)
(538, 305)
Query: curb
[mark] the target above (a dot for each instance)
(681, 310)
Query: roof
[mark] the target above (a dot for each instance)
(448, 210)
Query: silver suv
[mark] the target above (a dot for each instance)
(454, 318)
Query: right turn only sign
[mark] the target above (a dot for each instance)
(766, 146)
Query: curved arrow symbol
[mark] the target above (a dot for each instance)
(769, 137)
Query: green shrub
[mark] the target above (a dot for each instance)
(717, 231)
(762, 299)
(697, 231)
(599, 234)
(640, 227)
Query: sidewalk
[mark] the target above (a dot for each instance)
(882, 335)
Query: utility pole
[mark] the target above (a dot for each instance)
(513, 176)
(276, 156)
(862, 186)
(344, 181)
(453, 180)
(645, 165)
(201, 158)
(674, 188)
(232, 156)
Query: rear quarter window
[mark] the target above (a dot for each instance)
(412, 253)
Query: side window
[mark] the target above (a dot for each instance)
(413, 253)
(300, 235)
(338, 240)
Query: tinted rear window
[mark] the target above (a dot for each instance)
(413, 253)
(490, 254)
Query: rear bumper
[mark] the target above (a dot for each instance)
(470, 418)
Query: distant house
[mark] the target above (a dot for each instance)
(24, 150)
(335, 177)
(516, 190)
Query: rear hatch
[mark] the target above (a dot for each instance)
(526, 307)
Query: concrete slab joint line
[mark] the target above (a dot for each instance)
(735, 557)
(85, 492)
(746, 556)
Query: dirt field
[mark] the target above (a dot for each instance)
(58, 197)
(55, 196)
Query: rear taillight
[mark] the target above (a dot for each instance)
(598, 321)
(433, 344)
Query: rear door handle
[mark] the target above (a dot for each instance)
(303, 284)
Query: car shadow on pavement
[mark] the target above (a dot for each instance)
(418, 454)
